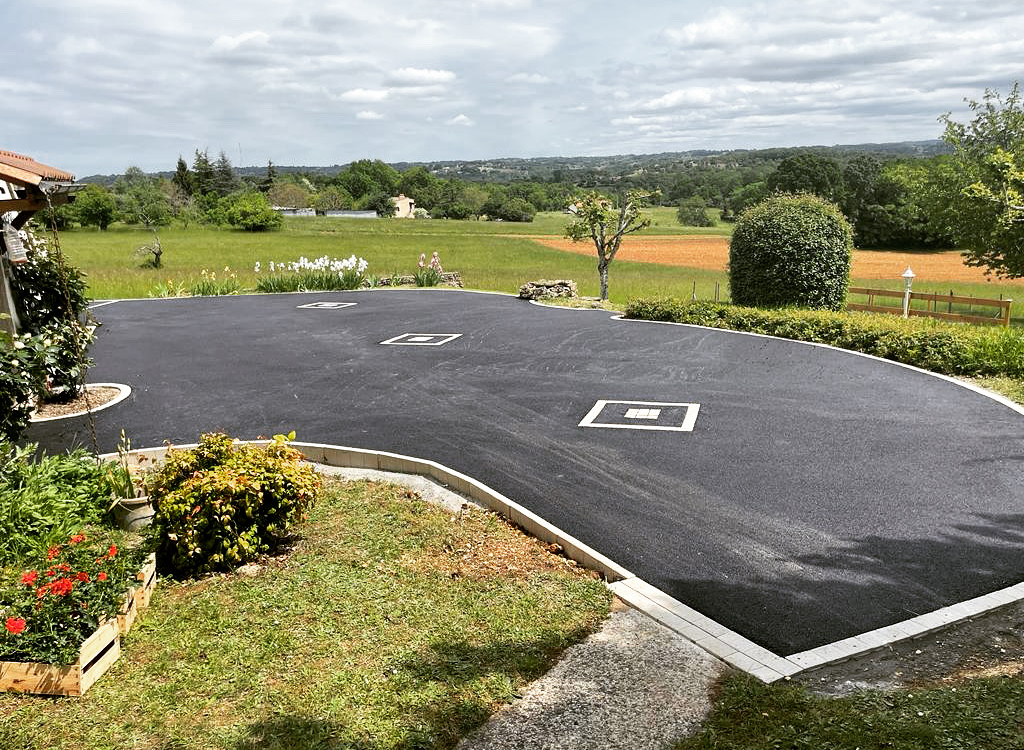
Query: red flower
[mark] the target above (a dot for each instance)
(102, 576)
(53, 552)
(76, 539)
(15, 625)
(65, 567)
(82, 576)
(29, 578)
(112, 551)
(61, 587)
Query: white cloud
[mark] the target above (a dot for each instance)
(364, 95)
(536, 78)
(367, 114)
(419, 76)
(231, 43)
(461, 120)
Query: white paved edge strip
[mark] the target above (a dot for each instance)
(125, 392)
(948, 378)
(94, 305)
(713, 637)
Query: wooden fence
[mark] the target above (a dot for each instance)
(932, 303)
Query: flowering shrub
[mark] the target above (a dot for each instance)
(210, 286)
(64, 359)
(46, 290)
(321, 274)
(428, 274)
(48, 610)
(223, 504)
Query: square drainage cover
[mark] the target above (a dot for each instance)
(422, 339)
(326, 305)
(642, 415)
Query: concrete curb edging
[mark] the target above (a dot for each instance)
(713, 637)
(125, 392)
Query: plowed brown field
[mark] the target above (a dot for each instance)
(712, 253)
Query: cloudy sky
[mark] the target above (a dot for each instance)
(94, 86)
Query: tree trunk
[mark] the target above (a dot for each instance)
(602, 269)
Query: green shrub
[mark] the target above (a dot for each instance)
(951, 349)
(693, 212)
(791, 250)
(515, 209)
(223, 504)
(43, 500)
(252, 212)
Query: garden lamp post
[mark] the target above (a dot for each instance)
(908, 280)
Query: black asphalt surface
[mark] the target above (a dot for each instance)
(820, 494)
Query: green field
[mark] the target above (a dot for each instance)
(497, 256)
(488, 255)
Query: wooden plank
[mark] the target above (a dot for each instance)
(20, 176)
(874, 292)
(958, 317)
(1001, 303)
(24, 204)
(96, 642)
(46, 679)
(94, 671)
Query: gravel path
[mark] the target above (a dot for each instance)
(634, 684)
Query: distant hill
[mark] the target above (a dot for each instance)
(571, 168)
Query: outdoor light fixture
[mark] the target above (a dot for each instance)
(908, 280)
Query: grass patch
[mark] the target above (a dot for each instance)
(1012, 388)
(978, 713)
(392, 624)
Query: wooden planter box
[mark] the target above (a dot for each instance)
(97, 654)
(137, 598)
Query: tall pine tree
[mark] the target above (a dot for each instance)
(225, 181)
(202, 173)
(182, 177)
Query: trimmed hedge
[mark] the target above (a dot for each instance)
(791, 250)
(950, 349)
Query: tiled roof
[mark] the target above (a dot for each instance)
(22, 164)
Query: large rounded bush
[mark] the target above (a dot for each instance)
(223, 504)
(791, 250)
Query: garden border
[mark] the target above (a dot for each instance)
(125, 392)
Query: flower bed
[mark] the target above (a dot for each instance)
(95, 656)
(60, 621)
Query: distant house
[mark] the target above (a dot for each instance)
(404, 207)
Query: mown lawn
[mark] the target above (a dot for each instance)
(392, 624)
